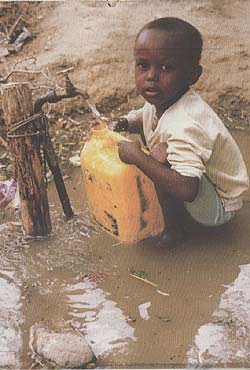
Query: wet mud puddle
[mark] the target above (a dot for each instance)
(83, 278)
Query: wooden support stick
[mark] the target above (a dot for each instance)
(52, 161)
(50, 154)
(55, 169)
(25, 146)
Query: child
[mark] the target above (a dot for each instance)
(194, 160)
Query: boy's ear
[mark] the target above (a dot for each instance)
(195, 74)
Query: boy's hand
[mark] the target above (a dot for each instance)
(129, 151)
(121, 125)
(159, 152)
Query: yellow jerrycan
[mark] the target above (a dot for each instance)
(121, 198)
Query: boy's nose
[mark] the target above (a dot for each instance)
(153, 74)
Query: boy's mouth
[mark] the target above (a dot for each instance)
(151, 91)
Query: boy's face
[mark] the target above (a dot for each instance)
(162, 68)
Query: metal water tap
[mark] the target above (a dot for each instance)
(70, 91)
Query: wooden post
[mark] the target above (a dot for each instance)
(25, 145)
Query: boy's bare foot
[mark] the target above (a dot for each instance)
(171, 238)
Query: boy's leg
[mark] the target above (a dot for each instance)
(173, 210)
(207, 208)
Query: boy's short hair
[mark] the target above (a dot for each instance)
(183, 30)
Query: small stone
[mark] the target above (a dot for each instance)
(66, 349)
(75, 160)
(4, 52)
(91, 365)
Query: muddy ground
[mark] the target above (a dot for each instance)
(206, 301)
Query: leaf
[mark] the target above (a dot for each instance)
(139, 273)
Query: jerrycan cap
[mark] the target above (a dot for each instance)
(99, 129)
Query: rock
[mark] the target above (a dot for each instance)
(21, 39)
(4, 52)
(9, 194)
(66, 349)
(75, 160)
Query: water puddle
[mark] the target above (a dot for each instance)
(10, 321)
(79, 277)
(56, 280)
(226, 340)
(100, 319)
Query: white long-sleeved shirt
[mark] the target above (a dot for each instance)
(197, 142)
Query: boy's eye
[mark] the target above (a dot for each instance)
(166, 67)
(142, 65)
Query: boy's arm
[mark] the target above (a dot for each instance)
(132, 122)
(181, 187)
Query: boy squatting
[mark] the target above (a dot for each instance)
(194, 160)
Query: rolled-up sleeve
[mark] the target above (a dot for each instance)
(188, 151)
(134, 116)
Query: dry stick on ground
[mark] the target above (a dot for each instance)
(13, 27)
(3, 143)
(24, 70)
(4, 35)
(25, 145)
(4, 80)
(8, 34)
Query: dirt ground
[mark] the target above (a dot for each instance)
(96, 38)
